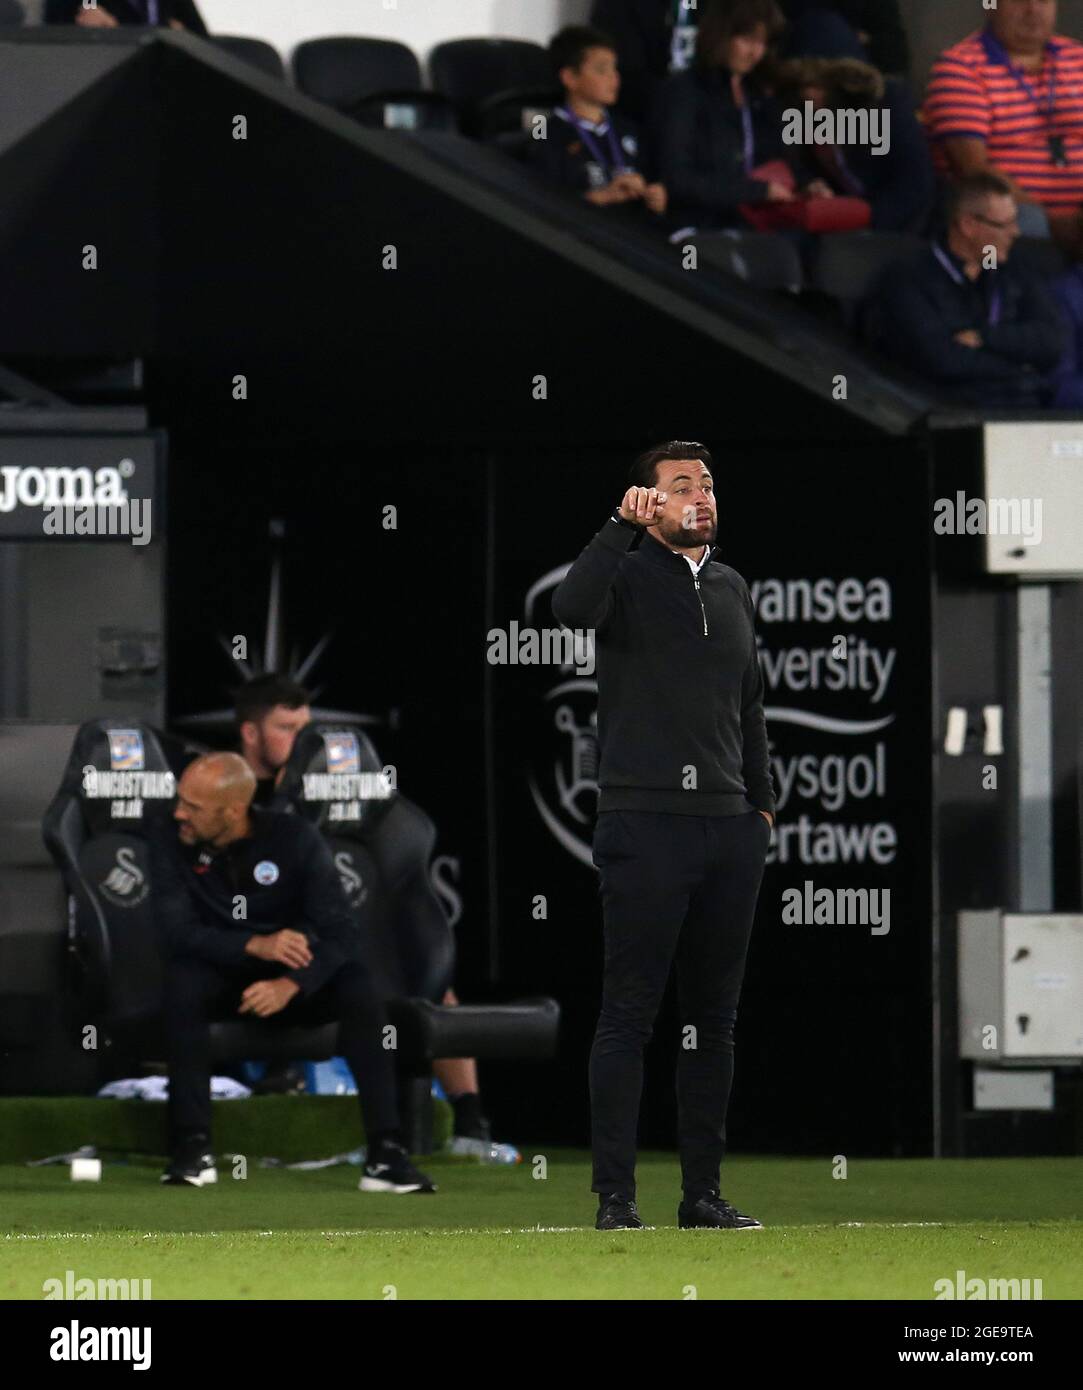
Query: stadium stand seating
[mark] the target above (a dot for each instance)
(487, 89)
(761, 259)
(255, 51)
(377, 81)
(492, 81)
(846, 266)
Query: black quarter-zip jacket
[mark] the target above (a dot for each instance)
(681, 726)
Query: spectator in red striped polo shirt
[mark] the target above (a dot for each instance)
(1009, 100)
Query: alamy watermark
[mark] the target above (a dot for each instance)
(962, 1287)
(75, 1343)
(994, 516)
(547, 646)
(75, 1288)
(864, 126)
(838, 907)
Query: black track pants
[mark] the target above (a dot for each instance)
(678, 888)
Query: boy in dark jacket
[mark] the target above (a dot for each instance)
(588, 148)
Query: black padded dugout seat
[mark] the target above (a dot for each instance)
(119, 780)
(382, 844)
(492, 81)
(376, 81)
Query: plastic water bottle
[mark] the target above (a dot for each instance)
(484, 1150)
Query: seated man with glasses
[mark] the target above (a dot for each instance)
(980, 326)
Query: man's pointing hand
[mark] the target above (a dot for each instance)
(643, 506)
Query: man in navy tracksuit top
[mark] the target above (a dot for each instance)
(685, 811)
(253, 921)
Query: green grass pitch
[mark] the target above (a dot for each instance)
(890, 1229)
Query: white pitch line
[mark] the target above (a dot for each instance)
(892, 1225)
(454, 1231)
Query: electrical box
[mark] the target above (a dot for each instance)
(1032, 521)
(1020, 986)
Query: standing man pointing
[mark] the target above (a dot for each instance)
(685, 811)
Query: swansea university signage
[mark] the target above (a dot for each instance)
(828, 678)
(829, 658)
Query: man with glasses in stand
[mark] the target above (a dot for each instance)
(962, 313)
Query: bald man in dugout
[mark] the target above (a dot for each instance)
(254, 921)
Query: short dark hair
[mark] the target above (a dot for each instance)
(569, 47)
(259, 696)
(642, 473)
(728, 19)
(971, 188)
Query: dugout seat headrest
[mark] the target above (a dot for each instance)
(121, 774)
(336, 779)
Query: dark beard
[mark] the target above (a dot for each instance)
(686, 537)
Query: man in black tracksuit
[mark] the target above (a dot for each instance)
(684, 814)
(253, 921)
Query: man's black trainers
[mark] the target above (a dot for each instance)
(192, 1164)
(714, 1212)
(388, 1169)
(617, 1213)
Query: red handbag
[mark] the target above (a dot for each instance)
(806, 214)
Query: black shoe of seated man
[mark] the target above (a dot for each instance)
(192, 1164)
(480, 1129)
(280, 1079)
(617, 1213)
(388, 1169)
(470, 1123)
(713, 1212)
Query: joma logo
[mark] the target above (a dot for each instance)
(62, 487)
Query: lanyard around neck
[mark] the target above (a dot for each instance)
(997, 51)
(748, 134)
(995, 299)
(616, 161)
